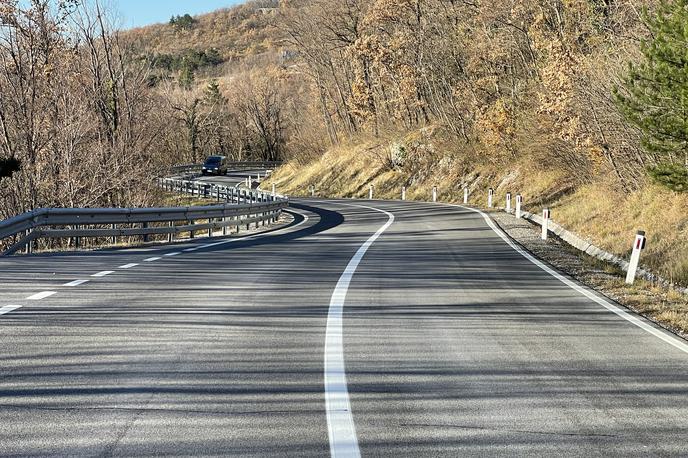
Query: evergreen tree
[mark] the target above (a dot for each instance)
(212, 94)
(654, 96)
(186, 76)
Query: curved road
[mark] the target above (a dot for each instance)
(453, 344)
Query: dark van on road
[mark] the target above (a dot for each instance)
(215, 165)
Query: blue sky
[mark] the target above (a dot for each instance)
(135, 13)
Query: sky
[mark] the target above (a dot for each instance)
(135, 13)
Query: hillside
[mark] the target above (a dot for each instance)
(245, 30)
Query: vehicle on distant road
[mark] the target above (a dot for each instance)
(215, 165)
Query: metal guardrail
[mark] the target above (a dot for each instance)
(235, 208)
(240, 165)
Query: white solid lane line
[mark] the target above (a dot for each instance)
(128, 266)
(640, 322)
(76, 283)
(41, 295)
(103, 273)
(154, 258)
(340, 420)
(9, 308)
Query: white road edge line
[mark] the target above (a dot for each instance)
(41, 295)
(260, 234)
(103, 273)
(128, 266)
(9, 308)
(639, 322)
(340, 420)
(76, 283)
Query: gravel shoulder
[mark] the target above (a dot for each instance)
(664, 306)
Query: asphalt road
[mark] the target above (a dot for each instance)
(453, 342)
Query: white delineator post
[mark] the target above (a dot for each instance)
(638, 246)
(465, 195)
(312, 191)
(490, 195)
(546, 215)
(273, 190)
(519, 202)
(370, 192)
(403, 193)
(508, 202)
(434, 193)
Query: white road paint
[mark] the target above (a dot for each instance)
(41, 295)
(176, 253)
(252, 236)
(154, 258)
(340, 420)
(76, 283)
(103, 273)
(188, 250)
(636, 320)
(128, 266)
(9, 308)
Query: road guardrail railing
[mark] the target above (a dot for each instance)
(234, 208)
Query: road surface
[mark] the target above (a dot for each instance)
(379, 328)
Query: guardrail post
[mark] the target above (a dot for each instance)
(192, 233)
(114, 237)
(519, 202)
(434, 193)
(490, 195)
(170, 236)
(465, 195)
(370, 192)
(77, 240)
(28, 244)
(546, 215)
(638, 246)
(508, 202)
(145, 236)
(210, 229)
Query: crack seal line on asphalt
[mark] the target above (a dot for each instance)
(637, 321)
(340, 421)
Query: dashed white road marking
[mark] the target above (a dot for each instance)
(41, 295)
(154, 258)
(176, 253)
(76, 283)
(340, 420)
(9, 308)
(103, 273)
(128, 266)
